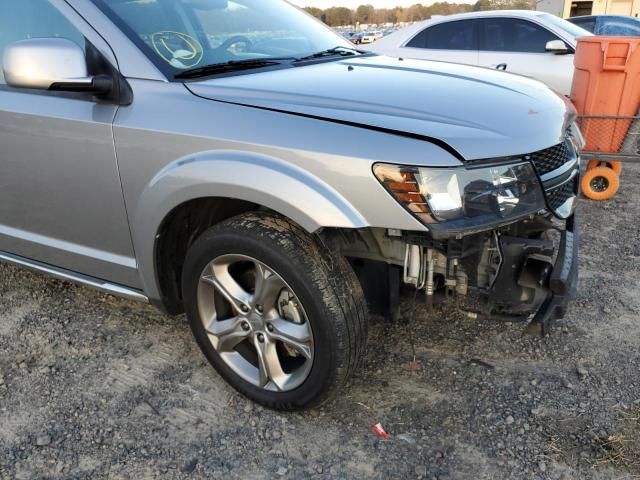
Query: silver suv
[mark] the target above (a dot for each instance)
(238, 161)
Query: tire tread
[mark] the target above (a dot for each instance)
(341, 290)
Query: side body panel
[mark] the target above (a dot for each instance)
(466, 57)
(61, 200)
(173, 146)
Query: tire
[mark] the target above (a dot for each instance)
(600, 183)
(613, 165)
(321, 294)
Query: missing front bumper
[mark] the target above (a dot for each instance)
(563, 282)
(532, 284)
(525, 271)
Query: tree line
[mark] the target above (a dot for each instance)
(368, 14)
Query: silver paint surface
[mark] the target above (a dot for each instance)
(85, 185)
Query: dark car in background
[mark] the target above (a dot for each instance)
(608, 24)
(357, 38)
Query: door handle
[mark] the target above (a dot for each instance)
(500, 66)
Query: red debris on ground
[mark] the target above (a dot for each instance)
(378, 429)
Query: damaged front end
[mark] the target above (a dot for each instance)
(501, 232)
(526, 271)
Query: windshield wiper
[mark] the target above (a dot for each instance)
(252, 63)
(339, 50)
(226, 67)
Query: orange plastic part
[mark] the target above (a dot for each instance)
(606, 83)
(600, 183)
(612, 164)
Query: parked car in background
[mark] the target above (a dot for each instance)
(535, 44)
(356, 38)
(347, 35)
(370, 37)
(608, 24)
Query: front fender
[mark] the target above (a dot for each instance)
(267, 181)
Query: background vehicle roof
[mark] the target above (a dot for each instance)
(486, 13)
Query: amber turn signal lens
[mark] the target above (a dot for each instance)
(403, 185)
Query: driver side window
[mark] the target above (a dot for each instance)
(513, 35)
(25, 19)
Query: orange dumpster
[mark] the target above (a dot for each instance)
(606, 84)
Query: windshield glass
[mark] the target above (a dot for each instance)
(572, 29)
(179, 35)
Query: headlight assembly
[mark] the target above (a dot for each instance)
(464, 198)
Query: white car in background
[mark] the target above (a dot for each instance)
(370, 37)
(535, 44)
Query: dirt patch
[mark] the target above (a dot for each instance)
(97, 387)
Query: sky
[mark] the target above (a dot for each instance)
(355, 3)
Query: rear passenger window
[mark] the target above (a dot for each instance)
(447, 36)
(24, 19)
(513, 35)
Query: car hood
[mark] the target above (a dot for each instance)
(480, 113)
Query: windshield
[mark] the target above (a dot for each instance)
(180, 35)
(574, 30)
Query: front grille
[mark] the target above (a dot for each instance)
(551, 158)
(556, 198)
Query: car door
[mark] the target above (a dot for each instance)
(61, 200)
(519, 46)
(455, 42)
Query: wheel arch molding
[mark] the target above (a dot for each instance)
(247, 178)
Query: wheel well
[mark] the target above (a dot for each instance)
(180, 228)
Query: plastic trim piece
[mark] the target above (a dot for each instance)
(62, 274)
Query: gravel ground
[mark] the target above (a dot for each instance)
(96, 387)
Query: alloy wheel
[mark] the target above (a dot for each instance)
(255, 322)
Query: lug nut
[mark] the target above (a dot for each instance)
(259, 308)
(260, 338)
(244, 308)
(270, 327)
(245, 326)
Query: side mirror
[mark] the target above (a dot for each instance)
(51, 64)
(558, 47)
